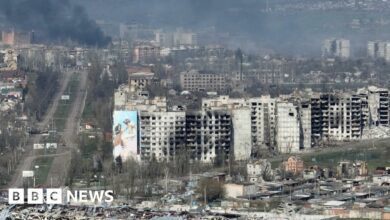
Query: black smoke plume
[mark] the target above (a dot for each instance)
(57, 19)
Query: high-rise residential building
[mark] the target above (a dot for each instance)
(288, 128)
(336, 48)
(263, 119)
(162, 135)
(242, 133)
(378, 104)
(208, 135)
(379, 49)
(305, 125)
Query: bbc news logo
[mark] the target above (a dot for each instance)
(36, 196)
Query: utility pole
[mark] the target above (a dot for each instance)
(205, 195)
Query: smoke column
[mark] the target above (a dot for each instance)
(57, 19)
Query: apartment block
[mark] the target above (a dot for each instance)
(263, 119)
(337, 117)
(145, 53)
(379, 49)
(209, 135)
(203, 81)
(288, 128)
(242, 133)
(336, 48)
(305, 125)
(162, 135)
(378, 102)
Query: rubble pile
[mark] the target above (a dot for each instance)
(376, 132)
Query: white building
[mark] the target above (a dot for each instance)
(162, 135)
(379, 49)
(288, 128)
(336, 48)
(257, 169)
(305, 123)
(378, 104)
(242, 144)
(263, 119)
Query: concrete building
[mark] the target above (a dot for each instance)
(337, 117)
(336, 48)
(208, 135)
(263, 115)
(186, 38)
(17, 38)
(305, 125)
(379, 49)
(145, 53)
(162, 135)
(234, 190)
(378, 103)
(203, 81)
(176, 39)
(164, 39)
(293, 165)
(140, 80)
(288, 128)
(242, 135)
(257, 170)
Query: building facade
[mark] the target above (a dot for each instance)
(201, 81)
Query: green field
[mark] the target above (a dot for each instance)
(41, 173)
(376, 153)
(63, 109)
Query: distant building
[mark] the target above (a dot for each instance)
(379, 49)
(140, 80)
(336, 48)
(293, 165)
(17, 38)
(186, 38)
(145, 53)
(203, 81)
(176, 39)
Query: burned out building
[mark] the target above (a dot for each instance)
(337, 117)
(162, 135)
(209, 135)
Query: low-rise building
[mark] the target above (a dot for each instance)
(233, 190)
(293, 165)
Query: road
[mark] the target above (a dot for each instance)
(60, 166)
(17, 180)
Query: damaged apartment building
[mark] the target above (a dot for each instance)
(205, 135)
(236, 128)
(345, 116)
